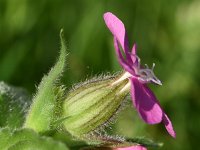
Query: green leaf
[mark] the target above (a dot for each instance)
(98, 140)
(145, 142)
(14, 103)
(71, 141)
(23, 139)
(42, 109)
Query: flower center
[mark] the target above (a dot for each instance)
(146, 75)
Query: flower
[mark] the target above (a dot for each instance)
(142, 97)
(132, 148)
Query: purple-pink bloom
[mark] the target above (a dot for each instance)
(132, 148)
(142, 97)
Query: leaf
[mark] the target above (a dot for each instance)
(71, 141)
(14, 103)
(102, 141)
(42, 109)
(99, 140)
(23, 139)
(145, 142)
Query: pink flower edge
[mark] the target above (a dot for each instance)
(132, 148)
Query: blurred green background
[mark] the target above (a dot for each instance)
(166, 32)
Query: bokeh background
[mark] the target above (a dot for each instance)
(166, 32)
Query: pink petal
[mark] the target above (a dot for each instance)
(121, 59)
(145, 102)
(133, 51)
(118, 30)
(133, 55)
(168, 125)
(132, 148)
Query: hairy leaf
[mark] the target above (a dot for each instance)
(14, 103)
(42, 109)
(23, 139)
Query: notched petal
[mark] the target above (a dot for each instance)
(117, 28)
(168, 125)
(145, 102)
(121, 59)
(134, 55)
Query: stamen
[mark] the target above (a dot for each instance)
(153, 66)
(146, 66)
(147, 75)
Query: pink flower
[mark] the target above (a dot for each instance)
(143, 98)
(132, 148)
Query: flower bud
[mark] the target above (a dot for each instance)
(92, 104)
